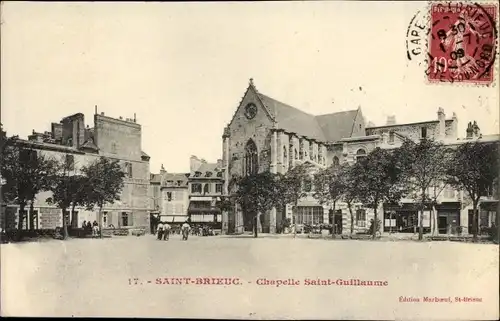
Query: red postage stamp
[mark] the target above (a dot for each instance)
(462, 42)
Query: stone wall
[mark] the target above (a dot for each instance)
(242, 129)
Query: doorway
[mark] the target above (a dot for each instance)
(337, 221)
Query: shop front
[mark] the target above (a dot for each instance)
(448, 218)
(403, 218)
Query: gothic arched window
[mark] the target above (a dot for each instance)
(336, 161)
(251, 159)
(360, 154)
(285, 157)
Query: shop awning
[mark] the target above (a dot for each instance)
(489, 205)
(203, 208)
(448, 206)
(405, 207)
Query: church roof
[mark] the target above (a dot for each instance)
(326, 128)
(293, 119)
(336, 126)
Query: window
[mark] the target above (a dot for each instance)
(218, 188)
(70, 162)
(124, 218)
(206, 188)
(113, 148)
(391, 137)
(105, 219)
(296, 154)
(309, 214)
(179, 183)
(361, 218)
(169, 196)
(128, 169)
(196, 188)
(285, 157)
(335, 161)
(360, 154)
(423, 132)
(307, 185)
(251, 160)
(311, 152)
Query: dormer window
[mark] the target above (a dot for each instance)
(219, 174)
(423, 132)
(197, 174)
(208, 174)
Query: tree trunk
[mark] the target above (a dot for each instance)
(352, 217)
(421, 219)
(64, 223)
(333, 219)
(474, 220)
(255, 232)
(375, 218)
(22, 206)
(30, 217)
(73, 215)
(294, 213)
(100, 221)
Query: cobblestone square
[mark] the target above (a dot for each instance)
(97, 277)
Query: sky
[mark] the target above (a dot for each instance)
(182, 68)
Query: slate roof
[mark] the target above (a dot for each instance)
(336, 126)
(155, 178)
(326, 128)
(175, 177)
(204, 168)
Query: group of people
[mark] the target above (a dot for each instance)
(163, 231)
(91, 228)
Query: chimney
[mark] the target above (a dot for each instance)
(162, 170)
(219, 163)
(442, 124)
(469, 131)
(102, 113)
(476, 132)
(385, 136)
(194, 163)
(454, 125)
(57, 130)
(391, 120)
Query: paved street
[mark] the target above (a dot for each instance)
(91, 277)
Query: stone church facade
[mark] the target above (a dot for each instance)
(266, 134)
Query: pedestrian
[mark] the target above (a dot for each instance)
(89, 228)
(95, 229)
(185, 230)
(166, 231)
(159, 230)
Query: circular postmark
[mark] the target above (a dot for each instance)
(461, 42)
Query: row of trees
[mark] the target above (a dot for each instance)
(26, 172)
(417, 171)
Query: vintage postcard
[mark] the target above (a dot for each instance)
(250, 160)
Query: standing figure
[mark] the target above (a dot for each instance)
(95, 229)
(159, 230)
(185, 231)
(166, 231)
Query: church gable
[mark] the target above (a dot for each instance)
(251, 111)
